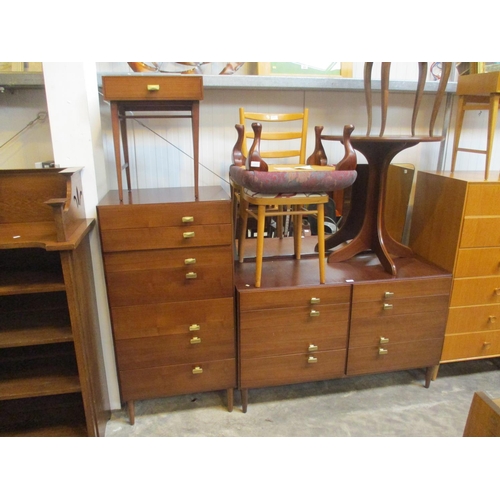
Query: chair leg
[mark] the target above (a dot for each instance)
(261, 218)
(321, 242)
(243, 229)
(297, 233)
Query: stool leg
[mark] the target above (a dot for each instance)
(321, 241)
(458, 130)
(261, 218)
(492, 122)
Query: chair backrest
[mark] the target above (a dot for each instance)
(484, 417)
(384, 87)
(286, 127)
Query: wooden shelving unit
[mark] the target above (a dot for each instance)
(51, 367)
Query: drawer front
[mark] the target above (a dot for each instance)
(167, 87)
(294, 297)
(120, 240)
(405, 328)
(471, 345)
(281, 370)
(197, 317)
(290, 331)
(476, 291)
(480, 232)
(400, 289)
(152, 215)
(395, 307)
(187, 260)
(153, 352)
(153, 286)
(482, 199)
(177, 379)
(473, 318)
(477, 262)
(403, 356)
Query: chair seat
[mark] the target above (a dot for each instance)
(296, 182)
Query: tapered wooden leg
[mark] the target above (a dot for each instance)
(131, 412)
(430, 374)
(230, 399)
(244, 400)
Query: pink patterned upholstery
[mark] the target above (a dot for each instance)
(292, 182)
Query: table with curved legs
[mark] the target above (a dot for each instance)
(365, 230)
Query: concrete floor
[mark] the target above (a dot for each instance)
(383, 405)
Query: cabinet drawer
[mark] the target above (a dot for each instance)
(477, 262)
(419, 326)
(188, 259)
(146, 238)
(480, 232)
(152, 215)
(280, 370)
(294, 297)
(152, 352)
(476, 291)
(153, 286)
(473, 318)
(400, 289)
(199, 317)
(482, 199)
(177, 379)
(471, 345)
(290, 331)
(403, 356)
(394, 307)
(136, 88)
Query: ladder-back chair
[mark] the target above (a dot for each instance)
(264, 190)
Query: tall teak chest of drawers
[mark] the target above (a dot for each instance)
(168, 264)
(456, 224)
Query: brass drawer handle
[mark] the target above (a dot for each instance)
(382, 351)
(388, 295)
(314, 313)
(315, 300)
(386, 306)
(191, 276)
(384, 340)
(188, 234)
(197, 370)
(194, 328)
(486, 345)
(497, 291)
(189, 261)
(312, 359)
(492, 319)
(195, 340)
(189, 218)
(153, 88)
(312, 348)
